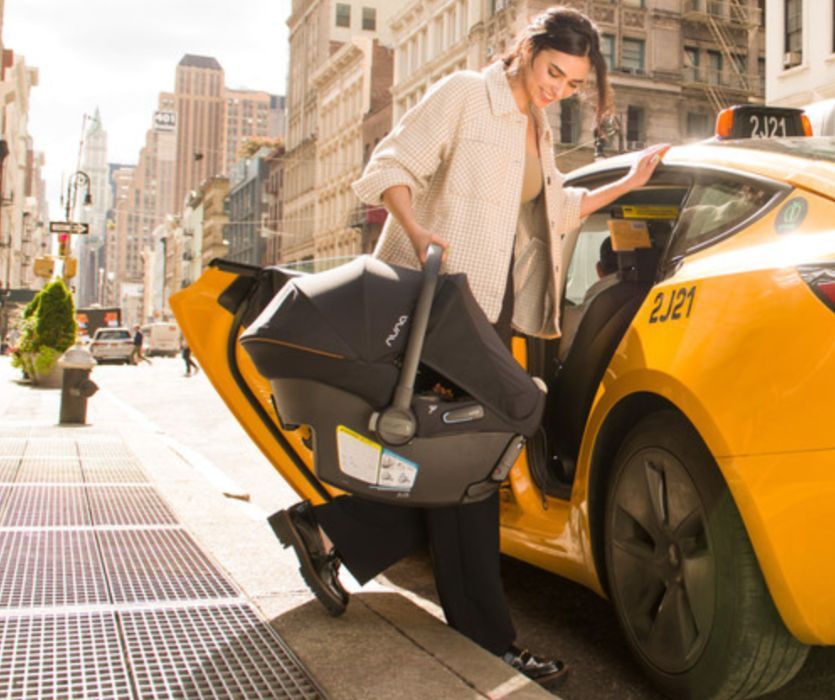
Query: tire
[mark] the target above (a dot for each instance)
(683, 577)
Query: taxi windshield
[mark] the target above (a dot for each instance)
(811, 147)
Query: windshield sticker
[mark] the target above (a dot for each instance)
(396, 472)
(359, 457)
(672, 305)
(791, 215)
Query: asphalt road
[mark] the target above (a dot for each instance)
(552, 616)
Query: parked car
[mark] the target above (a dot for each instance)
(161, 339)
(686, 462)
(112, 345)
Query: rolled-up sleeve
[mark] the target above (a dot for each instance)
(413, 150)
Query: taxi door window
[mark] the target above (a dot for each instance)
(715, 208)
(583, 270)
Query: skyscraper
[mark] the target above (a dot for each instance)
(200, 94)
(91, 247)
(249, 113)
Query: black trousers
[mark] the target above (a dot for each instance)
(463, 542)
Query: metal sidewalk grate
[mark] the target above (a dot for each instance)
(57, 567)
(50, 470)
(128, 505)
(211, 652)
(12, 446)
(50, 447)
(62, 656)
(45, 506)
(8, 468)
(104, 449)
(112, 470)
(157, 565)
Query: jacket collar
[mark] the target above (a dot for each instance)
(501, 96)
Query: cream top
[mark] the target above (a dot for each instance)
(532, 177)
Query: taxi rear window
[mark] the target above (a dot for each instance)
(714, 208)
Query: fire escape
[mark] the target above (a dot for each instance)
(732, 25)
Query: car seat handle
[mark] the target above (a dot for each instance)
(420, 321)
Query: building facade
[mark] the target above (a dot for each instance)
(673, 63)
(19, 241)
(801, 58)
(274, 229)
(317, 30)
(250, 114)
(246, 204)
(200, 105)
(215, 217)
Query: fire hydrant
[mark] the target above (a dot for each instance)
(77, 386)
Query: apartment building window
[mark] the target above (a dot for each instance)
(691, 63)
(632, 55)
(343, 15)
(715, 64)
(607, 48)
(369, 18)
(569, 121)
(635, 127)
(633, 3)
(793, 33)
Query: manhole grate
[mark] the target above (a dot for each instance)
(50, 470)
(211, 652)
(62, 656)
(8, 468)
(112, 470)
(128, 505)
(50, 447)
(155, 565)
(44, 568)
(12, 446)
(45, 506)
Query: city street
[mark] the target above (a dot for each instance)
(552, 616)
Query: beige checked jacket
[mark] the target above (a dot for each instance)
(461, 152)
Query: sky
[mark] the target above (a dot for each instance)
(118, 55)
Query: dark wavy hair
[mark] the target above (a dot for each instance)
(569, 31)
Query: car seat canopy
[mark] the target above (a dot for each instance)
(348, 328)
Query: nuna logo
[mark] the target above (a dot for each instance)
(395, 331)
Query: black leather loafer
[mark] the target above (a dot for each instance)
(545, 672)
(296, 527)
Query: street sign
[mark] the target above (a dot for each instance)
(68, 227)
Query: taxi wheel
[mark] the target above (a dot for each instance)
(682, 574)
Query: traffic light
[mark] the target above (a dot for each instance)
(44, 266)
(63, 244)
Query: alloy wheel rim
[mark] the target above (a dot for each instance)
(662, 560)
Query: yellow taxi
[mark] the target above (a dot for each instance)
(685, 466)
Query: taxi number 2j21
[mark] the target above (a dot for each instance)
(672, 305)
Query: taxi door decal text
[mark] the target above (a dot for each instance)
(676, 304)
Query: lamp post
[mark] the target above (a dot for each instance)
(78, 179)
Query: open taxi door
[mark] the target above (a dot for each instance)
(212, 313)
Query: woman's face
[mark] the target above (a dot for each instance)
(555, 75)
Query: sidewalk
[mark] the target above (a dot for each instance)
(125, 572)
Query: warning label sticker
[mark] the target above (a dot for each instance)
(359, 457)
(396, 472)
(367, 461)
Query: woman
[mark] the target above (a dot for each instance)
(471, 168)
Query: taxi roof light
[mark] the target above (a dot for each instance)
(761, 122)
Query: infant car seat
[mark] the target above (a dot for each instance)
(410, 394)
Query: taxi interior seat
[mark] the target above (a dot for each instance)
(584, 356)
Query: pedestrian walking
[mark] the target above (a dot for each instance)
(471, 168)
(185, 352)
(137, 355)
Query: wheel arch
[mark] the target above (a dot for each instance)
(621, 419)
